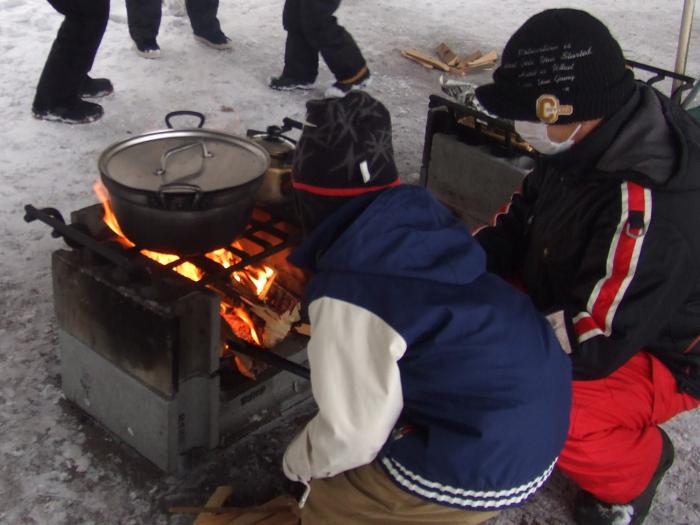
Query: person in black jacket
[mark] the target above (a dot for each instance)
(604, 238)
(144, 22)
(64, 81)
(312, 30)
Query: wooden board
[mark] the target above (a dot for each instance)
(217, 499)
(417, 61)
(445, 54)
(486, 60)
(424, 57)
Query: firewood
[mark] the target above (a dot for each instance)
(486, 60)
(217, 499)
(471, 56)
(445, 54)
(417, 61)
(303, 329)
(198, 510)
(277, 323)
(282, 510)
(424, 57)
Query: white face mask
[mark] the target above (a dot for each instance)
(535, 134)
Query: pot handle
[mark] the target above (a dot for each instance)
(179, 188)
(206, 154)
(172, 114)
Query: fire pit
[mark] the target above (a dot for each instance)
(157, 347)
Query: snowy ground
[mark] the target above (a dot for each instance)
(56, 467)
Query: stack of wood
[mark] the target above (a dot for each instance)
(448, 61)
(283, 510)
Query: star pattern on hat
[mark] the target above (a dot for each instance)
(359, 122)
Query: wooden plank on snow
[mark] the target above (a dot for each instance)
(424, 57)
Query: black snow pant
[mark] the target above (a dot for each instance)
(312, 29)
(72, 53)
(144, 18)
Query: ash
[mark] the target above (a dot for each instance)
(57, 466)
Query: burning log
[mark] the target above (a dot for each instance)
(278, 313)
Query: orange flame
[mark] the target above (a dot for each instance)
(109, 218)
(258, 279)
(243, 314)
(187, 269)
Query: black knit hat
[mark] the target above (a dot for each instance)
(344, 151)
(561, 66)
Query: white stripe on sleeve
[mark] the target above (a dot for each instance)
(356, 383)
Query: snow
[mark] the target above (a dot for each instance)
(57, 466)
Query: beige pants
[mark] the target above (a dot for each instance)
(366, 496)
(362, 496)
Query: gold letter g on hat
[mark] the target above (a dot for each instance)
(548, 109)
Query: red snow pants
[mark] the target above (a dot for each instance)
(614, 444)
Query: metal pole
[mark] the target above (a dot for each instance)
(267, 356)
(683, 42)
(72, 233)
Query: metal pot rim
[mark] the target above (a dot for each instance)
(218, 178)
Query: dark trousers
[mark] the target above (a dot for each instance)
(72, 53)
(312, 29)
(144, 18)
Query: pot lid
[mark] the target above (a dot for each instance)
(210, 160)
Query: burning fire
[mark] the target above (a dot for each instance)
(257, 279)
(109, 218)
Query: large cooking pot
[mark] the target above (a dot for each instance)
(184, 191)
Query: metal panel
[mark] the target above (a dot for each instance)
(159, 427)
(136, 334)
(470, 180)
(139, 416)
(258, 402)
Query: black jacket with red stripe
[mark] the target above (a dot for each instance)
(608, 234)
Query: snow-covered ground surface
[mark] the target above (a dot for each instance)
(56, 466)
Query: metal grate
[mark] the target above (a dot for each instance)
(88, 230)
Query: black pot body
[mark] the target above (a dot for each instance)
(183, 224)
(183, 191)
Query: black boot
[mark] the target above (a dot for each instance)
(77, 112)
(96, 88)
(591, 511)
(215, 40)
(284, 83)
(147, 48)
(342, 87)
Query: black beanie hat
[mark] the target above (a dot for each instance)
(344, 151)
(561, 66)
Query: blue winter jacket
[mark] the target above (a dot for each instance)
(421, 360)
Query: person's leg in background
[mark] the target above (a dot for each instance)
(615, 450)
(300, 58)
(143, 17)
(337, 47)
(65, 74)
(205, 24)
